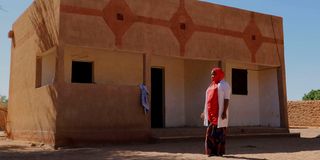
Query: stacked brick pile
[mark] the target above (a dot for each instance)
(304, 113)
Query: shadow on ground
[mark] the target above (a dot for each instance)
(236, 148)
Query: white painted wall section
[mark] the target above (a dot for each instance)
(174, 89)
(269, 98)
(244, 109)
(48, 68)
(197, 79)
(110, 67)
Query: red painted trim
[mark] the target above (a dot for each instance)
(120, 28)
(153, 21)
(80, 10)
(272, 40)
(225, 32)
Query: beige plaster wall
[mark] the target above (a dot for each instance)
(31, 111)
(217, 47)
(209, 14)
(268, 54)
(84, 30)
(32, 115)
(110, 67)
(163, 9)
(269, 98)
(114, 108)
(197, 75)
(98, 113)
(151, 39)
(108, 110)
(244, 109)
(174, 89)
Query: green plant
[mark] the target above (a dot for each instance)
(4, 101)
(312, 95)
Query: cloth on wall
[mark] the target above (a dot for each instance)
(144, 98)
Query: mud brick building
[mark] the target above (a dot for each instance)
(76, 66)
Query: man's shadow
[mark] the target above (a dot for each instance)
(244, 158)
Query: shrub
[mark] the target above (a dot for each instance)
(4, 101)
(312, 95)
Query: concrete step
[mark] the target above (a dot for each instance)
(180, 134)
(244, 130)
(264, 135)
(200, 138)
(192, 131)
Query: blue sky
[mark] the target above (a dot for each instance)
(301, 29)
(302, 37)
(9, 11)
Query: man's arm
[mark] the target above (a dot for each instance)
(224, 113)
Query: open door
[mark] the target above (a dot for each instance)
(157, 98)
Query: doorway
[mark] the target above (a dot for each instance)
(157, 98)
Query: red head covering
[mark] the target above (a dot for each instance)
(218, 75)
(212, 95)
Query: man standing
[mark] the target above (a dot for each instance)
(215, 113)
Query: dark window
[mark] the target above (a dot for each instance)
(120, 17)
(183, 26)
(82, 72)
(240, 81)
(253, 37)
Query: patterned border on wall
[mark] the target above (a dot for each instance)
(120, 18)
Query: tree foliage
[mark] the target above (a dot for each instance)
(4, 101)
(312, 95)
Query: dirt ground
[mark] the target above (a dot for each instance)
(280, 148)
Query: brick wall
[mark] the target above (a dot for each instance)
(304, 113)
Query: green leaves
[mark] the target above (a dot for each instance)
(312, 95)
(4, 101)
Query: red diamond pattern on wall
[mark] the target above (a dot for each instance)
(119, 18)
(253, 38)
(182, 26)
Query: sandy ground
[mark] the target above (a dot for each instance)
(280, 148)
